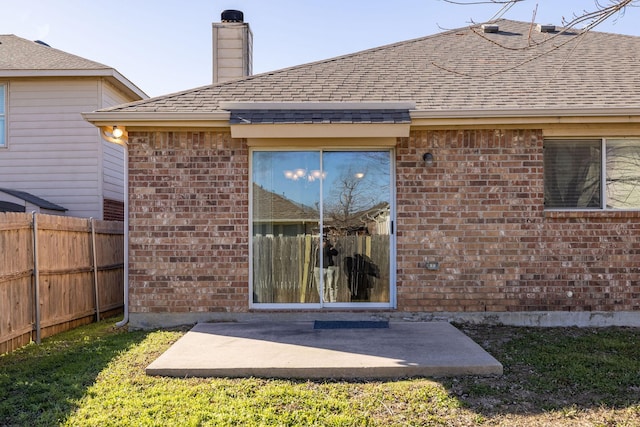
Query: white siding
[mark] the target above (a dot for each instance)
(51, 151)
(113, 154)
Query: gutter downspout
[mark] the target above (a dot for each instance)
(125, 320)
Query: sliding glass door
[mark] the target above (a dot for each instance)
(322, 228)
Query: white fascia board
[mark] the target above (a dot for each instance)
(155, 119)
(321, 130)
(524, 113)
(128, 84)
(317, 105)
(100, 72)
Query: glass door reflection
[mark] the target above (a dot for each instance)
(356, 214)
(321, 227)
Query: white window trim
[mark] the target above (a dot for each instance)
(393, 290)
(603, 176)
(4, 137)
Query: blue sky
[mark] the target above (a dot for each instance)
(164, 46)
(276, 171)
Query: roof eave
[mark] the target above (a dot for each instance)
(158, 119)
(419, 118)
(524, 116)
(118, 79)
(127, 84)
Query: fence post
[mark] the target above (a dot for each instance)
(95, 267)
(36, 278)
(306, 268)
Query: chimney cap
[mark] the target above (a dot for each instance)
(232, 16)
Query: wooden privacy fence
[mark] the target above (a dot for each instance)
(283, 269)
(56, 273)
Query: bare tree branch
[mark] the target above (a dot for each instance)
(603, 11)
(482, 2)
(598, 16)
(592, 19)
(506, 5)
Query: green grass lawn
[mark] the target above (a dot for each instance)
(94, 376)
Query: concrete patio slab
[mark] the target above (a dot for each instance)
(297, 350)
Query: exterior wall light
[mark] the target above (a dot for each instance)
(117, 133)
(428, 159)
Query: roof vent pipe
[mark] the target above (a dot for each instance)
(490, 28)
(546, 28)
(232, 16)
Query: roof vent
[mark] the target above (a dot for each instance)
(490, 28)
(546, 28)
(42, 43)
(232, 16)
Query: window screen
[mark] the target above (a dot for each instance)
(572, 174)
(623, 174)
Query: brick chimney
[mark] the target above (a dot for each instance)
(232, 47)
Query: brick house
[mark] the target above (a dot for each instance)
(508, 157)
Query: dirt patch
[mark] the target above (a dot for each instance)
(555, 376)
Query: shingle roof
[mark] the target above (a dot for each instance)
(269, 206)
(17, 53)
(10, 207)
(318, 116)
(34, 200)
(25, 58)
(461, 69)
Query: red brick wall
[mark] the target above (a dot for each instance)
(595, 256)
(112, 210)
(478, 211)
(188, 222)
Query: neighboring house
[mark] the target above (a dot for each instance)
(508, 157)
(274, 214)
(47, 150)
(20, 201)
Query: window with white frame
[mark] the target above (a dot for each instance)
(592, 174)
(3, 116)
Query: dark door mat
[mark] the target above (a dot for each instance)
(350, 324)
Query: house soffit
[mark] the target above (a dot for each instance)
(557, 122)
(271, 121)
